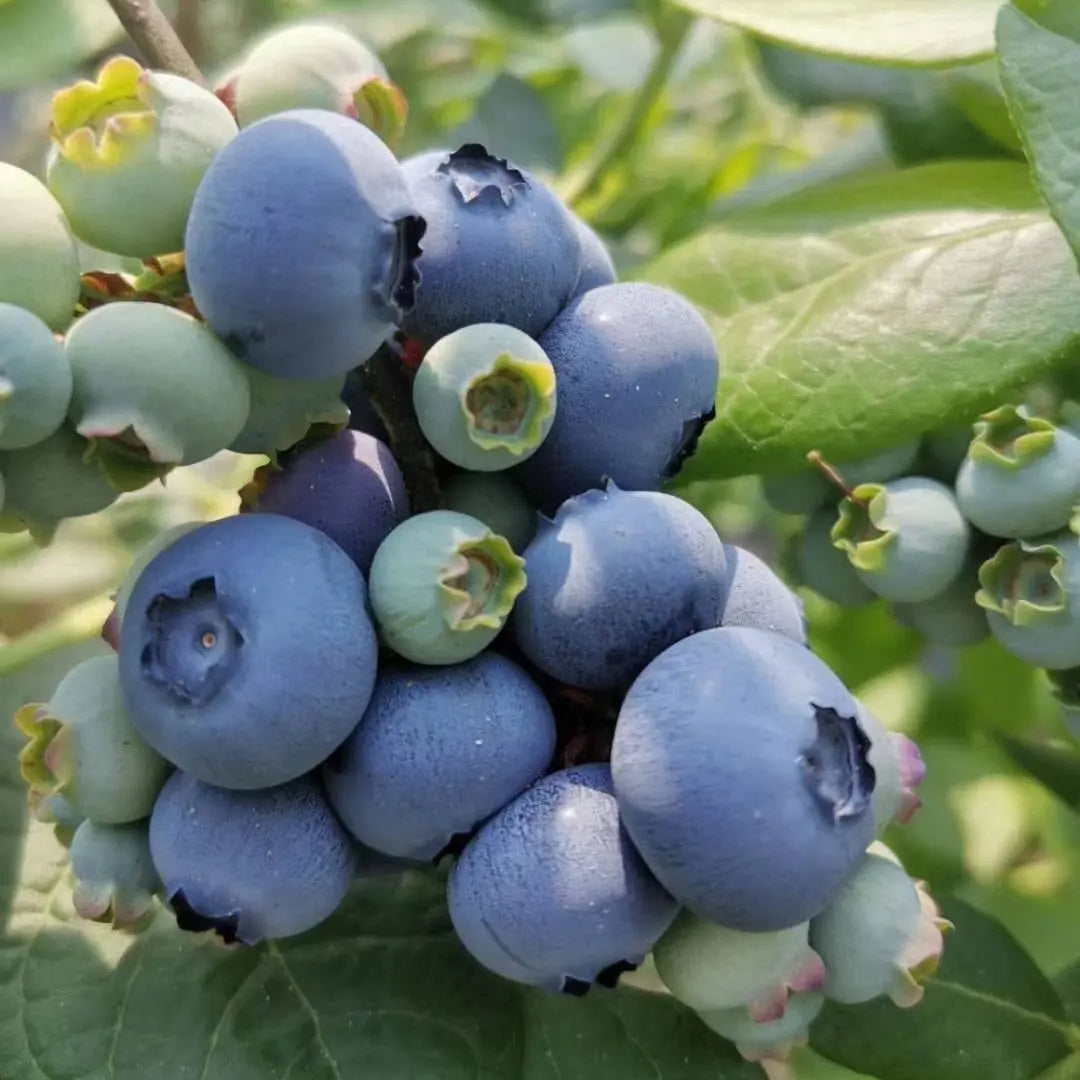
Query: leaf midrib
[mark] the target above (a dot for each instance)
(1069, 1032)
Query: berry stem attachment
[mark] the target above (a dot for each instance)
(155, 38)
(833, 476)
(388, 384)
(673, 28)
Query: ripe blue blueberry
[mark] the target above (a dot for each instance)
(757, 597)
(495, 499)
(1021, 476)
(499, 246)
(246, 652)
(115, 879)
(35, 379)
(249, 865)
(742, 776)
(637, 372)
(906, 539)
(301, 244)
(551, 892)
(1031, 594)
(485, 396)
(438, 751)
(596, 266)
(614, 579)
(442, 586)
(348, 486)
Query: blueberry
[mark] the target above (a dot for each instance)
(144, 556)
(1021, 476)
(710, 967)
(551, 892)
(35, 379)
(742, 777)
(249, 865)
(84, 747)
(906, 539)
(596, 266)
(301, 242)
(348, 486)
(129, 150)
(768, 1040)
(757, 597)
(50, 481)
(497, 501)
(809, 489)
(153, 388)
(499, 246)
(39, 263)
(881, 934)
(1030, 591)
(824, 568)
(57, 811)
(115, 879)
(952, 618)
(246, 653)
(315, 66)
(485, 396)
(898, 770)
(284, 410)
(438, 751)
(637, 372)
(615, 579)
(442, 586)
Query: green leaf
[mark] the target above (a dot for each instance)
(1039, 62)
(1055, 764)
(42, 38)
(989, 1014)
(852, 316)
(918, 32)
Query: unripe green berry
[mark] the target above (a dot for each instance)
(497, 501)
(115, 879)
(35, 379)
(770, 1040)
(824, 568)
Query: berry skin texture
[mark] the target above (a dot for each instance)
(757, 597)
(115, 879)
(1021, 476)
(284, 410)
(742, 777)
(497, 501)
(485, 397)
(881, 935)
(906, 539)
(249, 865)
(153, 388)
(57, 811)
(825, 568)
(499, 246)
(246, 653)
(769, 1040)
(348, 486)
(1031, 594)
(50, 481)
(616, 578)
(84, 747)
(438, 751)
(596, 266)
(898, 770)
(144, 556)
(35, 379)
(321, 195)
(315, 66)
(39, 263)
(637, 372)
(442, 585)
(551, 892)
(129, 150)
(709, 967)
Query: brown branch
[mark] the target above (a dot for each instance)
(388, 384)
(155, 38)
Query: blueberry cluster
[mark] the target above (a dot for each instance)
(561, 681)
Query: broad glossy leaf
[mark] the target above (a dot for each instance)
(855, 315)
(989, 1014)
(1039, 61)
(884, 31)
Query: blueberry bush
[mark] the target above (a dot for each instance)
(539, 539)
